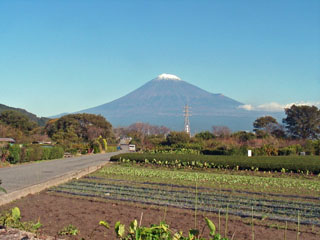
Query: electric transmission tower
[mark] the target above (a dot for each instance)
(187, 114)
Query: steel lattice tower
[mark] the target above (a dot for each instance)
(187, 114)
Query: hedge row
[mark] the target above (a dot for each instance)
(19, 154)
(262, 163)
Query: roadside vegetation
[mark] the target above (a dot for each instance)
(73, 134)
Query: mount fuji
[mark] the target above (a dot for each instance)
(161, 102)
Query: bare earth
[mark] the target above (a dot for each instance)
(56, 211)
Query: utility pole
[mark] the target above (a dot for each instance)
(187, 114)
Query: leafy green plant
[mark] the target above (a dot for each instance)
(69, 230)
(12, 219)
(160, 232)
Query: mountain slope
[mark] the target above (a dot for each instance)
(161, 101)
(40, 121)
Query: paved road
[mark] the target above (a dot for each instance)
(25, 175)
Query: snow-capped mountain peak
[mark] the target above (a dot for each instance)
(166, 76)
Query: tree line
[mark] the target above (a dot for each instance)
(298, 132)
(73, 133)
(81, 132)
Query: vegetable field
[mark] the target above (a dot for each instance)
(304, 164)
(244, 196)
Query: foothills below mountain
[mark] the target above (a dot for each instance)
(40, 120)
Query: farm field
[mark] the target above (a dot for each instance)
(294, 163)
(125, 191)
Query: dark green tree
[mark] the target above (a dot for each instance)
(266, 126)
(243, 136)
(17, 120)
(79, 127)
(177, 137)
(266, 123)
(303, 121)
(206, 135)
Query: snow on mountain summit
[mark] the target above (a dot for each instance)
(166, 76)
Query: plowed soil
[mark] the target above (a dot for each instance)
(57, 211)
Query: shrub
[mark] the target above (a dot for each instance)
(206, 135)
(287, 151)
(33, 153)
(238, 151)
(73, 151)
(309, 147)
(96, 147)
(56, 152)
(177, 137)
(14, 154)
(226, 150)
(297, 147)
(243, 136)
(270, 150)
(103, 144)
(111, 149)
(217, 151)
(46, 152)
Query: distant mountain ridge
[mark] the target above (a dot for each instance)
(40, 120)
(58, 115)
(161, 101)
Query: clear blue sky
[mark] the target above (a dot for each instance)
(64, 56)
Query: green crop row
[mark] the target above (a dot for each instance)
(304, 164)
(228, 181)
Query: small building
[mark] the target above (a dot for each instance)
(132, 147)
(42, 142)
(7, 140)
(124, 143)
(125, 140)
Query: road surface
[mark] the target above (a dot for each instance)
(22, 176)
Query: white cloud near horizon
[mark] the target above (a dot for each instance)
(276, 107)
